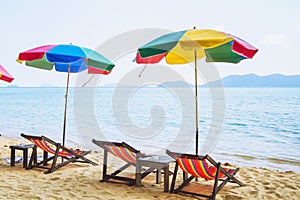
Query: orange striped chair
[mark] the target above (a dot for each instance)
(56, 150)
(198, 167)
(126, 153)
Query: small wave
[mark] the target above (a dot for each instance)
(289, 131)
(246, 157)
(282, 161)
(273, 160)
(237, 124)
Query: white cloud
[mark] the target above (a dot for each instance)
(275, 39)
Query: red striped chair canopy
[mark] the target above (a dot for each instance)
(43, 144)
(122, 153)
(200, 168)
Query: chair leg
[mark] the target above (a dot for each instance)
(166, 178)
(53, 162)
(227, 180)
(104, 165)
(231, 176)
(212, 161)
(45, 157)
(215, 190)
(32, 157)
(138, 175)
(174, 178)
(184, 176)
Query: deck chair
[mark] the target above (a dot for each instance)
(198, 167)
(126, 153)
(56, 150)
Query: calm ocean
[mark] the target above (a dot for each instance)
(247, 126)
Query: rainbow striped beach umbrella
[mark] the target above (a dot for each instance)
(5, 76)
(191, 45)
(66, 58)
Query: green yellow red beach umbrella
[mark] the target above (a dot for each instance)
(191, 45)
(66, 58)
(5, 76)
(178, 48)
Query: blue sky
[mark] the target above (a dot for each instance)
(271, 26)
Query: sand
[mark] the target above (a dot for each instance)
(81, 181)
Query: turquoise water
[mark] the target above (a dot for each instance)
(258, 126)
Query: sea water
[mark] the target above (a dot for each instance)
(244, 126)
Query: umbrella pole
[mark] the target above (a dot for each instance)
(66, 103)
(196, 100)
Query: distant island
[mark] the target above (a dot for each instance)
(248, 80)
(253, 80)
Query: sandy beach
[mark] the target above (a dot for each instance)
(81, 181)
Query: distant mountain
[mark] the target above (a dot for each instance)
(252, 80)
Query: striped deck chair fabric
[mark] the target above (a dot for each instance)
(45, 146)
(126, 153)
(201, 167)
(122, 153)
(57, 150)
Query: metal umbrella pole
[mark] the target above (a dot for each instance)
(196, 101)
(66, 103)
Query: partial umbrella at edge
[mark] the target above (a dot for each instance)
(5, 76)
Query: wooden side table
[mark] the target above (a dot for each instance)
(24, 148)
(157, 162)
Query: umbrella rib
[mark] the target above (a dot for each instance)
(88, 81)
(140, 74)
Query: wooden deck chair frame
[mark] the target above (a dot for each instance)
(229, 177)
(69, 155)
(106, 177)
